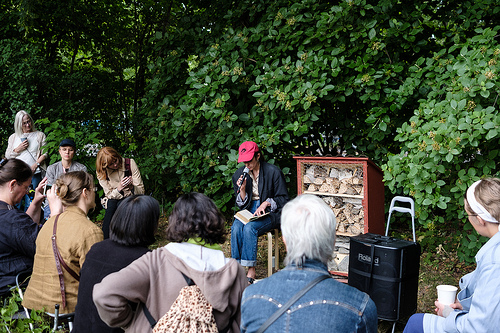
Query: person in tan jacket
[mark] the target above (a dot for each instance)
(196, 227)
(119, 177)
(75, 234)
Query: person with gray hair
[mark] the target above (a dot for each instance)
(26, 144)
(292, 300)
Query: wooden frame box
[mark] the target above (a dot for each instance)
(353, 187)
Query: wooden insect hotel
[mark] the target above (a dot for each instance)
(353, 187)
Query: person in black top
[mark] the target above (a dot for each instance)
(259, 187)
(18, 230)
(132, 230)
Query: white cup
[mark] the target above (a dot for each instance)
(446, 294)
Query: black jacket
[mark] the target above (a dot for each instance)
(271, 185)
(103, 258)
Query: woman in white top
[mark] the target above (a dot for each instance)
(26, 144)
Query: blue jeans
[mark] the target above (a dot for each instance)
(415, 324)
(244, 236)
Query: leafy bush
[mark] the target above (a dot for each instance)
(40, 321)
(301, 78)
(452, 139)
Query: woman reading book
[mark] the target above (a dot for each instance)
(259, 188)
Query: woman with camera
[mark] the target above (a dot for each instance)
(62, 245)
(119, 177)
(26, 144)
(18, 230)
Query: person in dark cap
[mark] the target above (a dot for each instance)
(67, 149)
(260, 188)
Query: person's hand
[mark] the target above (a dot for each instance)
(23, 146)
(456, 305)
(34, 166)
(440, 307)
(126, 182)
(39, 191)
(55, 203)
(262, 208)
(242, 183)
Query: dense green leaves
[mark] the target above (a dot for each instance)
(454, 132)
(412, 85)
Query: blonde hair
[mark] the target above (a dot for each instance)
(105, 157)
(69, 186)
(18, 122)
(487, 194)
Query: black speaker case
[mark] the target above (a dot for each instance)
(391, 278)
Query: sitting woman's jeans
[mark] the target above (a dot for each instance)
(244, 237)
(415, 324)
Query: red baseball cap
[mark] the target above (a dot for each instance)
(246, 151)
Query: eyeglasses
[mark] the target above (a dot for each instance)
(27, 186)
(27, 122)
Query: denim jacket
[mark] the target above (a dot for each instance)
(330, 306)
(479, 296)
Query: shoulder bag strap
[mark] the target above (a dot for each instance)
(60, 261)
(58, 264)
(290, 302)
(127, 165)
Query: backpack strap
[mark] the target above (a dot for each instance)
(148, 315)
(188, 280)
(145, 309)
(290, 302)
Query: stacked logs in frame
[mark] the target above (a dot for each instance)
(346, 182)
(334, 181)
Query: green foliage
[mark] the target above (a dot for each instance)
(293, 78)
(308, 77)
(452, 138)
(41, 322)
(178, 86)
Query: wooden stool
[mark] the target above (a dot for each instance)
(270, 262)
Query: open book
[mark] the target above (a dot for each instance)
(245, 216)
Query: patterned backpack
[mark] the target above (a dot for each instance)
(190, 313)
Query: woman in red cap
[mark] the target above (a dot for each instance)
(260, 188)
